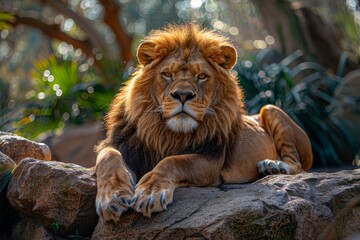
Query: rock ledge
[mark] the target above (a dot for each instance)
(276, 207)
(304, 206)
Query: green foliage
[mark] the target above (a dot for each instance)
(66, 92)
(346, 23)
(54, 227)
(305, 91)
(5, 18)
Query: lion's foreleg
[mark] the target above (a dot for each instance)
(154, 191)
(292, 144)
(115, 185)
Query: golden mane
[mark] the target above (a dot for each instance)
(135, 104)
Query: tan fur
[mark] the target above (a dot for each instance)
(180, 121)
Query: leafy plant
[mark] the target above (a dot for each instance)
(346, 23)
(65, 92)
(4, 19)
(305, 91)
(54, 227)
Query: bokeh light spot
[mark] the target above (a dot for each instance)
(270, 39)
(234, 31)
(41, 95)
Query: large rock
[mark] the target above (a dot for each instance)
(18, 148)
(305, 206)
(55, 193)
(6, 163)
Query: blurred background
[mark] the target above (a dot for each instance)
(62, 62)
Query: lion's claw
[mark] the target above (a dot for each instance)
(163, 199)
(111, 208)
(154, 202)
(115, 196)
(153, 195)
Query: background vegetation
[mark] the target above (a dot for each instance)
(61, 62)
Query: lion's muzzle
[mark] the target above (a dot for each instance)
(183, 96)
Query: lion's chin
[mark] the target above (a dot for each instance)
(182, 123)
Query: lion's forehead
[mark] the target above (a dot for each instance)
(175, 64)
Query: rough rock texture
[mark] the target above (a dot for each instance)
(6, 163)
(54, 193)
(17, 148)
(305, 206)
(26, 229)
(13, 149)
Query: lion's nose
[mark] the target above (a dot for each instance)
(183, 96)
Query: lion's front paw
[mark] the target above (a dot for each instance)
(153, 194)
(114, 195)
(271, 167)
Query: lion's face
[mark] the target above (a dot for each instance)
(183, 90)
(184, 77)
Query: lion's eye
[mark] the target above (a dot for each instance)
(202, 77)
(167, 76)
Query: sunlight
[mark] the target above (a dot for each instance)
(196, 4)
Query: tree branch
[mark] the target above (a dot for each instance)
(83, 23)
(111, 18)
(53, 31)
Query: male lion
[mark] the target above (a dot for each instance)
(180, 121)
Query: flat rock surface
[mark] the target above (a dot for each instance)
(305, 206)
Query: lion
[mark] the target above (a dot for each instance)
(180, 121)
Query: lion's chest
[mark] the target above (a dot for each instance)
(142, 159)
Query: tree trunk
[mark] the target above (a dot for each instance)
(53, 31)
(111, 18)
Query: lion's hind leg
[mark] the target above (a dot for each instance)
(115, 185)
(291, 142)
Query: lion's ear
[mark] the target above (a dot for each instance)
(229, 57)
(145, 52)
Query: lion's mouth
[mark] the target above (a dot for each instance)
(183, 113)
(182, 120)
